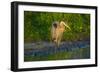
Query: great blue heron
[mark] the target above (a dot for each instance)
(57, 30)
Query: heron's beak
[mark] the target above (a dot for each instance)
(67, 26)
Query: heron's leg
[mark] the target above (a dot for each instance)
(59, 40)
(58, 43)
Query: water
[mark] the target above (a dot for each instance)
(45, 49)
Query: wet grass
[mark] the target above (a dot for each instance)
(82, 53)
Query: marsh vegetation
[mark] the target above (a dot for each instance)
(37, 37)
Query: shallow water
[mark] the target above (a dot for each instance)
(48, 51)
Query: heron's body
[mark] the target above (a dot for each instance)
(57, 31)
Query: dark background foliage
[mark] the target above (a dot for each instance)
(37, 25)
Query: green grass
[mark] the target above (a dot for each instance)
(37, 25)
(83, 53)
